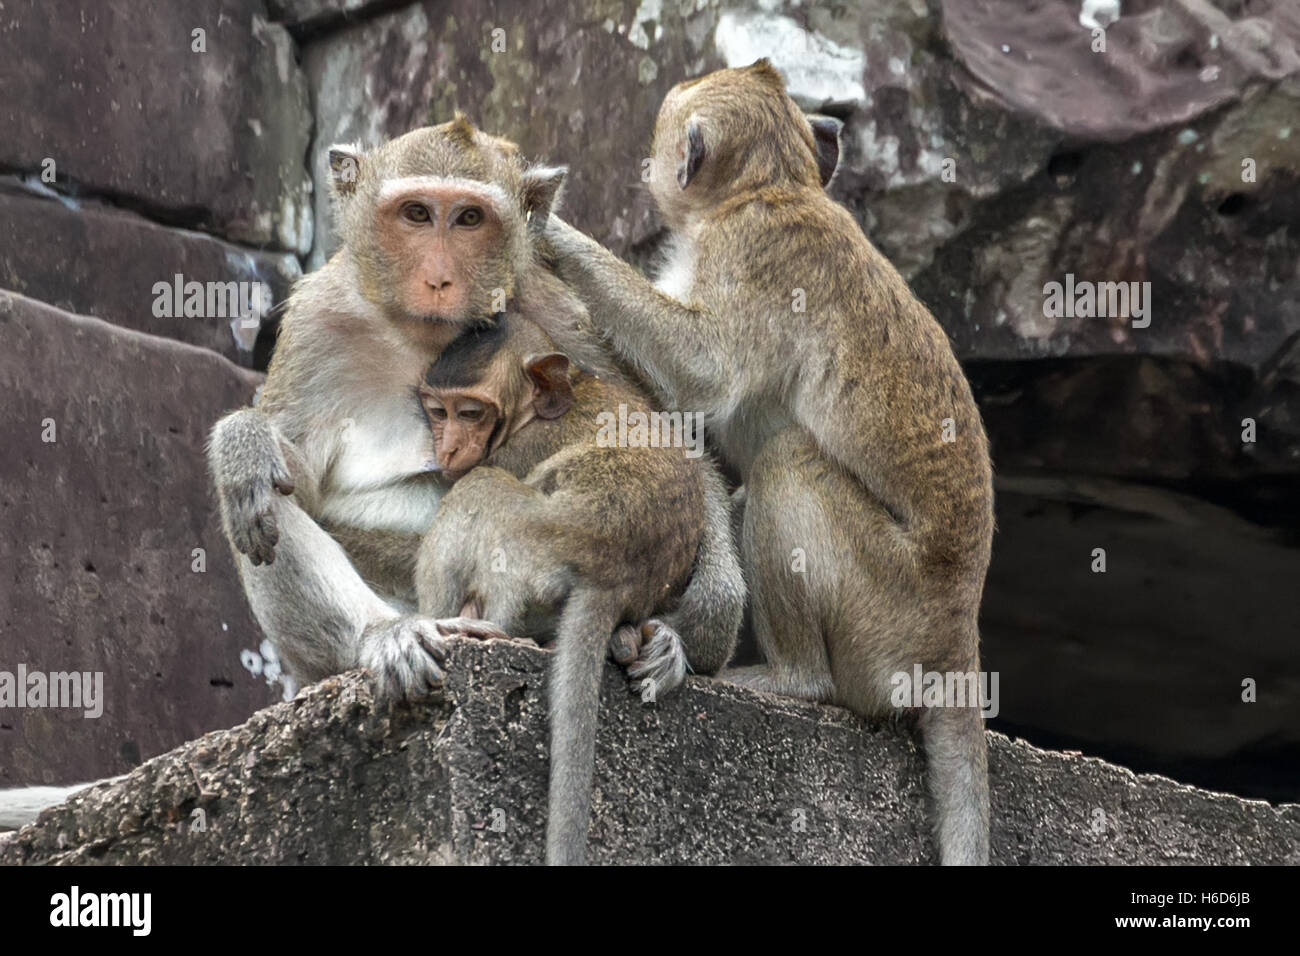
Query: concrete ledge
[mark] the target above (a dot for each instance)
(714, 774)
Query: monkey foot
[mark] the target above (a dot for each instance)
(654, 656)
(406, 656)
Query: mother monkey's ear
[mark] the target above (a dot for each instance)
(345, 169)
(541, 187)
(826, 133)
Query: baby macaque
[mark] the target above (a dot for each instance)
(550, 530)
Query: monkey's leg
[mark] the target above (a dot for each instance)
(701, 631)
(841, 606)
(783, 535)
(473, 551)
(323, 618)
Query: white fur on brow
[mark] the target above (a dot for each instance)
(404, 184)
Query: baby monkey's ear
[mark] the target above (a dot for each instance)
(552, 390)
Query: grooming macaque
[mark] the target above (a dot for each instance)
(548, 529)
(831, 390)
(328, 484)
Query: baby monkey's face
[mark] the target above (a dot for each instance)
(464, 422)
(471, 421)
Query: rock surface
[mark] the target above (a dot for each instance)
(58, 251)
(711, 775)
(97, 561)
(127, 105)
(305, 16)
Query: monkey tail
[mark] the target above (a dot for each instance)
(582, 639)
(956, 756)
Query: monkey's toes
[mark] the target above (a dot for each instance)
(662, 661)
(405, 656)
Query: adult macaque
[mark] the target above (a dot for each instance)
(328, 484)
(835, 395)
(551, 530)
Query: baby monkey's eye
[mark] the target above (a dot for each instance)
(471, 217)
(470, 414)
(437, 414)
(415, 212)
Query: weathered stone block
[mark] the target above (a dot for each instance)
(711, 775)
(92, 260)
(125, 104)
(104, 499)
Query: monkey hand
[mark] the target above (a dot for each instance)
(558, 241)
(474, 627)
(249, 469)
(405, 655)
(654, 656)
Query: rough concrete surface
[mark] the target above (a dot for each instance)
(711, 775)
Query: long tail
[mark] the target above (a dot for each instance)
(956, 753)
(582, 639)
(21, 806)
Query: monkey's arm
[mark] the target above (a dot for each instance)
(679, 346)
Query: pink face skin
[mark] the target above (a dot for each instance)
(436, 234)
(462, 423)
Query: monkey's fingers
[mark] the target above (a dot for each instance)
(266, 537)
(405, 656)
(470, 627)
(625, 643)
(433, 646)
(256, 538)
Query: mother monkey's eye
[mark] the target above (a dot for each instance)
(415, 212)
(470, 217)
